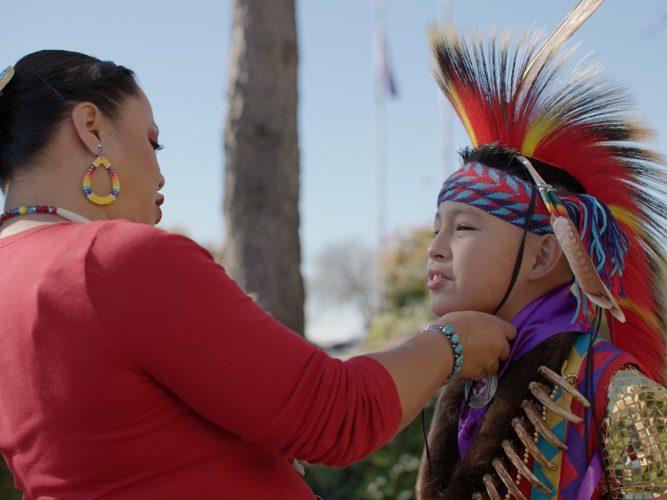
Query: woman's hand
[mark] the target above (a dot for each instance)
(422, 362)
(485, 340)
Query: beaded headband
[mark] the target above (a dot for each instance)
(498, 193)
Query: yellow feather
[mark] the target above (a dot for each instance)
(648, 316)
(537, 131)
(628, 218)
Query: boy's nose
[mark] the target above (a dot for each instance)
(435, 254)
(437, 250)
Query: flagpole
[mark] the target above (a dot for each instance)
(379, 131)
(379, 147)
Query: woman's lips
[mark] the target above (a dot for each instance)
(158, 202)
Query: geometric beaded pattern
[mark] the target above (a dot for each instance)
(571, 464)
(635, 442)
(497, 193)
(558, 426)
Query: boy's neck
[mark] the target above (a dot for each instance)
(519, 299)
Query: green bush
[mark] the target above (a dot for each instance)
(7, 490)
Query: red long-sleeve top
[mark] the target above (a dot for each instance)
(133, 367)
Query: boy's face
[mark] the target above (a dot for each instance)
(470, 259)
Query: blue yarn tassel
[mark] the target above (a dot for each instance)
(605, 242)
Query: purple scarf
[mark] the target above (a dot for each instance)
(540, 320)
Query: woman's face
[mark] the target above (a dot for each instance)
(131, 149)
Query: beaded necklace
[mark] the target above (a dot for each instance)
(42, 209)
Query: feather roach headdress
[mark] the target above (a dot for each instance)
(525, 95)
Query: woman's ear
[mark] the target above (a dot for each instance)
(546, 258)
(87, 122)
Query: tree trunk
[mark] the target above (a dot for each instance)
(262, 159)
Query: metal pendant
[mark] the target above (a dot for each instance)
(479, 394)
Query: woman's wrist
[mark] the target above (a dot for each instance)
(456, 348)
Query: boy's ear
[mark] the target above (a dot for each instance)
(546, 258)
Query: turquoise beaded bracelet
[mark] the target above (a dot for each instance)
(457, 349)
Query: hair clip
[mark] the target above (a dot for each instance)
(5, 76)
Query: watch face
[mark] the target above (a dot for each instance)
(479, 394)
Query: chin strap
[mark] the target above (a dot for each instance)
(519, 256)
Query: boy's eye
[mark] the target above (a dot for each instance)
(464, 227)
(155, 145)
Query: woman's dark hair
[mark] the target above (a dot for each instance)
(503, 158)
(45, 87)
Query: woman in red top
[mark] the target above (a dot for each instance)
(131, 366)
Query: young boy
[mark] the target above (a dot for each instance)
(556, 214)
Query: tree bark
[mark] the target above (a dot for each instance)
(261, 201)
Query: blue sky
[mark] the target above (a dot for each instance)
(180, 54)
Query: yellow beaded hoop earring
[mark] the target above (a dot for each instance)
(101, 161)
